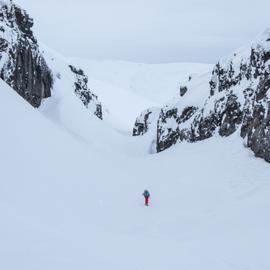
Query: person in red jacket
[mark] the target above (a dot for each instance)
(146, 195)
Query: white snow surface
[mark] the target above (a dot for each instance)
(74, 202)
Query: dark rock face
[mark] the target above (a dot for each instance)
(24, 22)
(171, 118)
(3, 45)
(22, 65)
(183, 90)
(142, 124)
(232, 117)
(89, 99)
(144, 121)
(238, 99)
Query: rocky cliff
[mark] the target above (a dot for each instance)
(32, 72)
(144, 122)
(22, 65)
(89, 100)
(236, 98)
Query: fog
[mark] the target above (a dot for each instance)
(152, 31)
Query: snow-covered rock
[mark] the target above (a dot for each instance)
(82, 90)
(22, 65)
(146, 119)
(236, 98)
(29, 68)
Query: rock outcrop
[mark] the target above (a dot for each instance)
(237, 99)
(22, 65)
(145, 120)
(89, 100)
(183, 90)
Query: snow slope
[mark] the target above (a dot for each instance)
(71, 185)
(66, 111)
(68, 204)
(126, 89)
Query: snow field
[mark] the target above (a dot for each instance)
(67, 205)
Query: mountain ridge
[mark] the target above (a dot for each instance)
(236, 97)
(25, 68)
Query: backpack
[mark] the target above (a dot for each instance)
(146, 193)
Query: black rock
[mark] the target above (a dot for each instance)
(82, 90)
(25, 68)
(145, 120)
(183, 90)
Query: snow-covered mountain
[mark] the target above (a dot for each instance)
(234, 97)
(71, 185)
(25, 68)
(22, 65)
(37, 72)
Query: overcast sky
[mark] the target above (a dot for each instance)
(151, 31)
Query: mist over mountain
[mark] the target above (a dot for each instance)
(153, 31)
